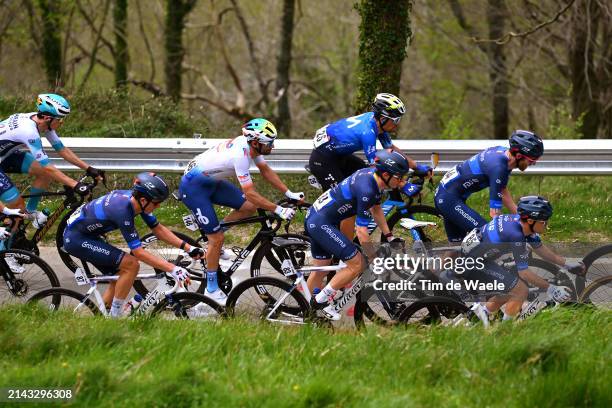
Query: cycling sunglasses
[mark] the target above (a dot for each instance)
(401, 178)
(395, 121)
(531, 160)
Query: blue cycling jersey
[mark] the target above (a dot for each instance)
(502, 235)
(488, 168)
(107, 213)
(349, 135)
(354, 196)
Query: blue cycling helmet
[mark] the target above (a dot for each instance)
(53, 105)
(535, 208)
(526, 143)
(393, 163)
(151, 186)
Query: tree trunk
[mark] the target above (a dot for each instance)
(176, 11)
(283, 121)
(498, 72)
(384, 33)
(51, 41)
(121, 49)
(585, 89)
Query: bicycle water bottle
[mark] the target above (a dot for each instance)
(132, 304)
(41, 219)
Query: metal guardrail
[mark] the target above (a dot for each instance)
(289, 156)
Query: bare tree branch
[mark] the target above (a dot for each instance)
(88, 54)
(146, 41)
(458, 12)
(92, 61)
(251, 48)
(90, 22)
(508, 36)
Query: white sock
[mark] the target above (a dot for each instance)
(326, 294)
(117, 307)
(507, 317)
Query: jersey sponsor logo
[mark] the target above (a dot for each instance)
(354, 121)
(202, 219)
(469, 183)
(466, 215)
(93, 227)
(95, 248)
(127, 223)
(344, 208)
(333, 235)
(365, 199)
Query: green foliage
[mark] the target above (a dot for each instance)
(562, 126)
(383, 33)
(445, 102)
(557, 358)
(51, 40)
(114, 114)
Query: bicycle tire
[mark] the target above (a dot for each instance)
(30, 280)
(276, 254)
(66, 258)
(56, 295)
(296, 310)
(170, 256)
(601, 301)
(435, 307)
(179, 304)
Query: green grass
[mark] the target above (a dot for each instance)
(582, 204)
(558, 358)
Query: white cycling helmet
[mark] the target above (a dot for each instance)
(261, 130)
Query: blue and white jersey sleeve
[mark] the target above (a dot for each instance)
(54, 140)
(121, 215)
(385, 140)
(150, 220)
(521, 255)
(498, 180)
(534, 240)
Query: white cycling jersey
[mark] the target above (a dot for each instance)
(18, 130)
(225, 159)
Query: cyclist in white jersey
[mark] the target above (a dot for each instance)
(25, 129)
(204, 184)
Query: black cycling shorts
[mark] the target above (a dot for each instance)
(331, 170)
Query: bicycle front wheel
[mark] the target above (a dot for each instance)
(62, 299)
(434, 310)
(24, 274)
(268, 298)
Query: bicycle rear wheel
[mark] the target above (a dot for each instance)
(24, 274)
(188, 305)
(259, 298)
(62, 299)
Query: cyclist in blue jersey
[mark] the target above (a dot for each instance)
(26, 129)
(489, 169)
(358, 195)
(117, 210)
(510, 233)
(332, 159)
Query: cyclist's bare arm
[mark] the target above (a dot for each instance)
(508, 201)
(271, 177)
(156, 262)
(533, 279)
(379, 218)
(53, 173)
(72, 158)
(547, 254)
(163, 233)
(257, 199)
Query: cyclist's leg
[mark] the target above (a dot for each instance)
(9, 194)
(459, 219)
(108, 259)
(329, 237)
(320, 258)
(197, 193)
(22, 162)
(326, 168)
(228, 195)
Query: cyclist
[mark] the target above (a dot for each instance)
(203, 185)
(117, 210)
(510, 233)
(26, 129)
(491, 168)
(332, 159)
(358, 195)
